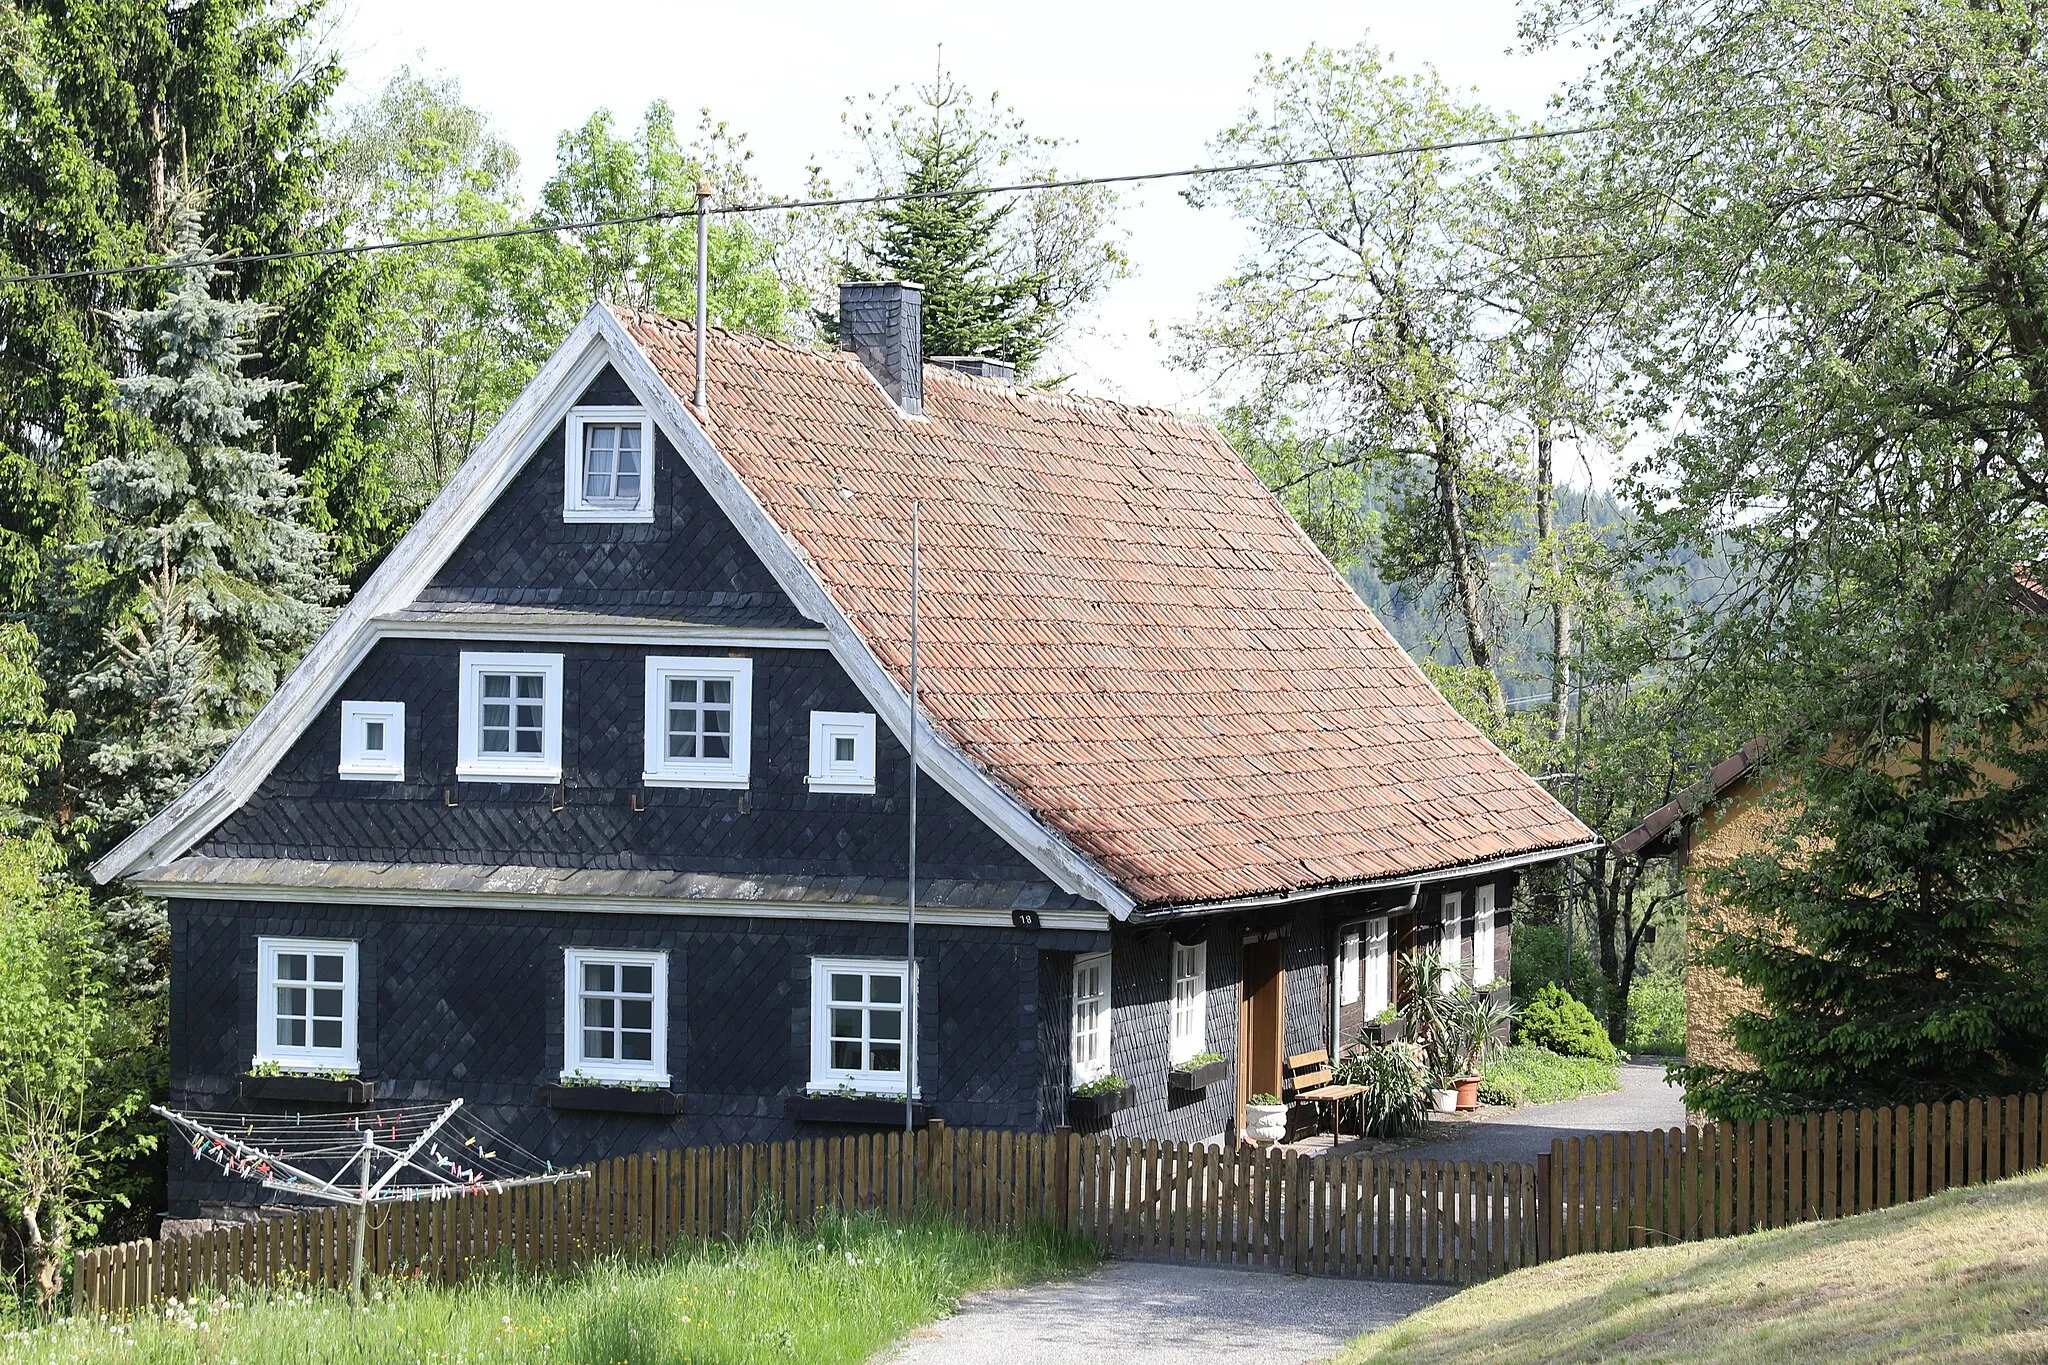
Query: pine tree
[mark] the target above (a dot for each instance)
(975, 301)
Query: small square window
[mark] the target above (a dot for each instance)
(608, 472)
(372, 741)
(698, 719)
(615, 1025)
(859, 1024)
(306, 1003)
(842, 752)
(511, 718)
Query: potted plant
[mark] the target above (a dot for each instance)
(1395, 1102)
(270, 1081)
(1385, 1027)
(1472, 1023)
(1201, 1070)
(1265, 1118)
(1098, 1099)
(1443, 1093)
(611, 1096)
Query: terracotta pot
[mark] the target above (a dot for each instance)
(1468, 1092)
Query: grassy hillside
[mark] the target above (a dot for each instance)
(831, 1296)
(1963, 1276)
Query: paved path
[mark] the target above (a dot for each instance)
(1141, 1313)
(1644, 1101)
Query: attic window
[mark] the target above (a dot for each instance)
(842, 752)
(511, 718)
(372, 741)
(608, 465)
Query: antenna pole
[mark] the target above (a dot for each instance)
(703, 286)
(910, 1014)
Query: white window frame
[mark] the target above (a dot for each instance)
(825, 1076)
(308, 1058)
(1483, 911)
(827, 773)
(471, 763)
(1451, 940)
(1188, 1018)
(575, 1066)
(360, 763)
(663, 771)
(1088, 1069)
(575, 508)
(1377, 967)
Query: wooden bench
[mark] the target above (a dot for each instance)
(1311, 1082)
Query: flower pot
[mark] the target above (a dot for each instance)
(308, 1089)
(851, 1111)
(1443, 1101)
(1265, 1122)
(1185, 1077)
(1386, 1031)
(1468, 1092)
(1094, 1108)
(612, 1099)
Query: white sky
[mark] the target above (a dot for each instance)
(1132, 87)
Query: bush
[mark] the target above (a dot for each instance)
(1656, 1016)
(1393, 1104)
(1539, 960)
(1556, 1021)
(1536, 1075)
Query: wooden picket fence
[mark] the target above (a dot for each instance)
(1620, 1190)
(1360, 1217)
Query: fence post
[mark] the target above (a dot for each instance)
(1543, 1249)
(1062, 1177)
(1295, 1228)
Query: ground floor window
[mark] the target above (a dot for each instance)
(1482, 936)
(1091, 1017)
(306, 1003)
(616, 1024)
(1190, 1000)
(1451, 941)
(859, 1023)
(1376, 966)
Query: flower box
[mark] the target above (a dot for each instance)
(1197, 1077)
(854, 1111)
(1386, 1031)
(309, 1089)
(1095, 1108)
(612, 1099)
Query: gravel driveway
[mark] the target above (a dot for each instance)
(1145, 1313)
(1644, 1101)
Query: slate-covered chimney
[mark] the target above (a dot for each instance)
(881, 324)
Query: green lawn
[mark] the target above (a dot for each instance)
(1960, 1277)
(1527, 1074)
(839, 1293)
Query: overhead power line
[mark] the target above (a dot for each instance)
(783, 205)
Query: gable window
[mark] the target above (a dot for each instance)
(842, 751)
(1373, 951)
(1190, 1001)
(1482, 936)
(1451, 940)
(859, 1008)
(616, 1024)
(699, 717)
(306, 1003)
(510, 719)
(608, 468)
(1091, 1017)
(373, 741)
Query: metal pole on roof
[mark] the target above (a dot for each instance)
(910, 1013)
(703, 283)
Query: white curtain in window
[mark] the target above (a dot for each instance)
(1347, 964)
(1451, 943)
(1482, 936)
(1377, 997)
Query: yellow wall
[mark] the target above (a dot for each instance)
(1738, 822)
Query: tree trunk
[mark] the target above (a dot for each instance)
(1466, 571)
(45, 1258)
(1560, 604)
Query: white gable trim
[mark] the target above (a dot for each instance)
(599, 338)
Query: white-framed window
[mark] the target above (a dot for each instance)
(699, 717)
(373, 741)
(615, 1021)
(1376, 963)
(608, 465)
(306, 1003)
(842, 751)
(1349, 939)
(1091, 1017)
(1451, 940)
(859, 1021)
(1190, 1020)
(1482, 936)
(510, 718)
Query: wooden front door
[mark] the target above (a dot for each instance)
(1260, 1023)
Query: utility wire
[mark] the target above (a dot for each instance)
(781, 205)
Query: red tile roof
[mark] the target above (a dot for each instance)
(1120, 625)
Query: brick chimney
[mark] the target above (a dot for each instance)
(881, 324)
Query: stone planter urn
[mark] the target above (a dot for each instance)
(1265, 1122)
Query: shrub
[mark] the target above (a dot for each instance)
(1536, 1075)
(1656, 1016)
(1539, 960)
(1556, 1021)
(1393, 1104)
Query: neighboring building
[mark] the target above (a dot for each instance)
(591, 808)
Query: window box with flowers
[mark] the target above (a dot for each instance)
(1198, 1072)
(1098, 1099)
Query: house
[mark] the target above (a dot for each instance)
(591, 808)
